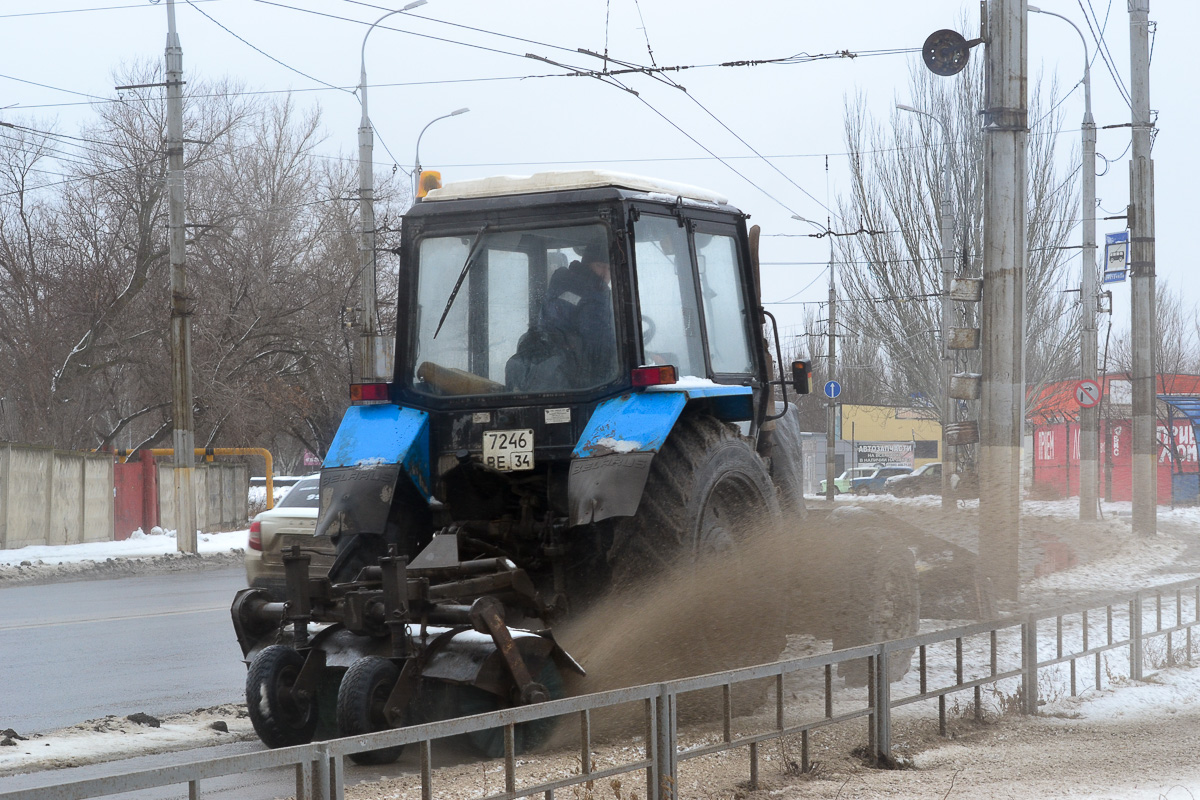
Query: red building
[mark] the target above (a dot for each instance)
(1055, 418)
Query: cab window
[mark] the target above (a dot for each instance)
(726, 316)
(666, 288)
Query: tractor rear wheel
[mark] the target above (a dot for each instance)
(281, 717)
(707, 495)
(361, 703)
(706, 492)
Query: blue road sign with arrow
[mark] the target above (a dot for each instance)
(832, 389)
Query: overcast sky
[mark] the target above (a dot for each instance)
(420, 67)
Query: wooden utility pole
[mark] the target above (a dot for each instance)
(1002, 411)
(1141, 268)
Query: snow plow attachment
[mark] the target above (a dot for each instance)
(401, 644)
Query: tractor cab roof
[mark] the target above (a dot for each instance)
(552, 188)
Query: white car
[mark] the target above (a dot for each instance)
(293, 521)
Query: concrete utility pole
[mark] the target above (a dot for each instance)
(1141, 267)
(946, 223)
(831, 409)
(184, 438)
(1088, 292)
(831, 402)
(366, 213)
(1002, 410)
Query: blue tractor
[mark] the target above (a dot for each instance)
(582, 399)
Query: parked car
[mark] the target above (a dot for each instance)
(874, 482)
(925, 479)
(842, 482)
(292, 521)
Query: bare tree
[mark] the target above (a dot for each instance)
(1176, 338)
(272, 267)
(890, 280)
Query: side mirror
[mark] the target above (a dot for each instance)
(801, 376)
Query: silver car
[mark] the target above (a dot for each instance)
(293, 521)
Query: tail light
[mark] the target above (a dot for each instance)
(255, 542)
(654, 376)
(360, 392)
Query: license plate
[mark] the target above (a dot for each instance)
(508, 451)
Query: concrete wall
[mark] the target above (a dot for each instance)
(221, 491)
(53, 497)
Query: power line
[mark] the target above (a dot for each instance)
(79, 10)
(259, 50)
(1097, 32)
(54, 88)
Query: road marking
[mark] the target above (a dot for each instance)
(91, 620)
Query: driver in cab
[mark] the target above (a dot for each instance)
(573, 344)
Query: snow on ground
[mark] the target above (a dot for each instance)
(140, 545)
(113, 737)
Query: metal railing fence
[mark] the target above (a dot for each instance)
(1114, 637)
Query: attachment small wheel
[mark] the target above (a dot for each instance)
(362, 704)
(281, 716)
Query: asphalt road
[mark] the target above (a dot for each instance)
(159, 644)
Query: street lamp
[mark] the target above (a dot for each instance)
(946, 222)
(831, 408)
(417, 155)
(366, 212)
(1088, 294)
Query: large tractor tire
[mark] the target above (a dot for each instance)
(787, 464)
(280, 718)
(706, 492)
(707, 498)
(360, 705)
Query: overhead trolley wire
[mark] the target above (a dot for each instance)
(1097, 30)
(260, 51)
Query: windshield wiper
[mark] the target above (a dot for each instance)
(474, 251)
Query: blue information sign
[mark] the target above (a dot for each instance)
(832, 389)
(1116, 257)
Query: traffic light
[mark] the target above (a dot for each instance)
(801, 376)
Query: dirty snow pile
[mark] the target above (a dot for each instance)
(112, 738)
(156, 551)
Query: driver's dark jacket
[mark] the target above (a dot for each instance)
(573, 345)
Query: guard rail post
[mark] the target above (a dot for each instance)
(883, 708)
(666, 761)
(304, 780)
(1135, 637)
(1029, 666)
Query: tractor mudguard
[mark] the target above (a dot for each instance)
(611, 461)
(373, 445)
